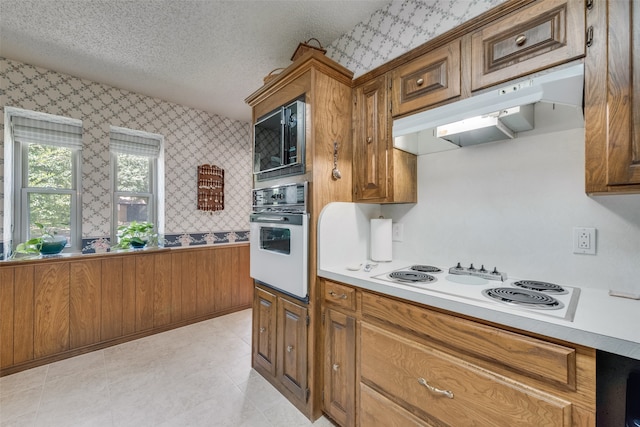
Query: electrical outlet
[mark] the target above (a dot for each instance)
(584, 240)
(398, 232)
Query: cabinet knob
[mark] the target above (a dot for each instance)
(521, 39)
(262, 329)
(369, 139)
(289, 348)
(335, 366)
(419, 82)
(435, 390)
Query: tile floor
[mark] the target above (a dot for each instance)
(198, 375)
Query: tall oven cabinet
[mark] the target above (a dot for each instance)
(290, 357)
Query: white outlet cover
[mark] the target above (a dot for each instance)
(584, 240)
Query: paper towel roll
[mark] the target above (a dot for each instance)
(380, 239)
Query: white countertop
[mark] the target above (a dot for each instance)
(601, 321)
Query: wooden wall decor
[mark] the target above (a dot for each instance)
(210, 188)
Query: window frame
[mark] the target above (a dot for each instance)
(155, 181)
(18, 159)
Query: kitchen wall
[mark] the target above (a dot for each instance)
(513, 204)
(192, 137)
(507, 204)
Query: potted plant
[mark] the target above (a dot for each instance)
(136, 235)
(48, 243)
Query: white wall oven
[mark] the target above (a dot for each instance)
(279, 239)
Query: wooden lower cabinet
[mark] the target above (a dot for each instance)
(449, 390)
(339, 367)
(416, 366)
(57, 308)
(280, 339)
(264, 331)
(378, 411)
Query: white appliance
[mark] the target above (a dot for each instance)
(495, 113)
(490, 287)
(279, 239)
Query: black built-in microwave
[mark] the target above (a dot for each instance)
(278, 148)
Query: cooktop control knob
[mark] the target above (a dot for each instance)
(482, 269)
(471, 267)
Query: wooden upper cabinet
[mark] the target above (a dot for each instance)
(371, 140)
(544, 34)
(381, 173)
(427, 80)
(612, 98)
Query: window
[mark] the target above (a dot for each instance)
(135, 169)
(46, 171)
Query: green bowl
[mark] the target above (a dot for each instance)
(53, 247)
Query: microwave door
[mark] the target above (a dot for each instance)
(268, 142)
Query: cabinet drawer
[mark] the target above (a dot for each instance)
(451, 390)
(378, 411)
(547, 33)
(339, 295)
(530, 356)
(427, 80)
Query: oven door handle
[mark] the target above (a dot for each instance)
(271, 219)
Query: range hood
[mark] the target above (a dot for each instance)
(495, 114)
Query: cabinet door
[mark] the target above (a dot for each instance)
(112, 298)
(264, 331)
(427, 80)
(612, 92)
(339, 367)
(291, 368)
(371, 141)
(547, 33)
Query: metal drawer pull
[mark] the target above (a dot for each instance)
(335, 366)
(369, 139)
(433, 389)
(289, 348)
(521, 39)
(335, 295)
(262, 330)
(419, 82)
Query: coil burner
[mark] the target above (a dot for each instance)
(411, 276)
(547, 288)
(523, 298)
(426, 268)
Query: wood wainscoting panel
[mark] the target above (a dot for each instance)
(111, 312)
(6, 316)
(85, 301)
(128, 295)
(23, 327)
(144, 285)
(225, 279)
(51, 320)
(162, 290)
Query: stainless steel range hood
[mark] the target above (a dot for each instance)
(498, 113)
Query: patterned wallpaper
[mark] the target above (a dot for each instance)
(400, 27)
(192, 137)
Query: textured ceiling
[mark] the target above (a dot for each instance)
(204, 54)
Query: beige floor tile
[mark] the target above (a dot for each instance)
(199, 375)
